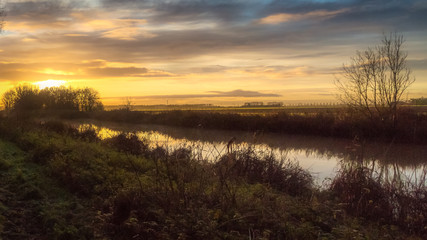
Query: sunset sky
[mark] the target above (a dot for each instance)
(203, 51)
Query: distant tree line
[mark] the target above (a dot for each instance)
(419, 101)
(28, 97)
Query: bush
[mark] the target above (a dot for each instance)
(361, 194)
(374, 196)
(283, 175)
(129, 143)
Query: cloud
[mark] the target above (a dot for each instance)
(152, 31)
(30, 16)
(209, 69)
(211, 94)
(38, 10)
(95, 69)
(248, 43)
(35, 17)
(116, 72)
(420, 64)
(242, 93)
(163, 11)
(286, 17)
(127, 33)
(133, 72)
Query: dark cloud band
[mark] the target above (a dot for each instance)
(212, 94)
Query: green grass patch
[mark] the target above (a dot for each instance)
(32, 205)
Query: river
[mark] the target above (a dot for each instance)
(319, 155)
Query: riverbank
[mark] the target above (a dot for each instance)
(130, 191)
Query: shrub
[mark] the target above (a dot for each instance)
(361, 194)
(382, 198)
(129, 143)
(88, 133)
(44, 153)
(283, 175)
(56, 126)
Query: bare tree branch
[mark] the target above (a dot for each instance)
(375, 80)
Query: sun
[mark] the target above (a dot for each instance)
(50, 83)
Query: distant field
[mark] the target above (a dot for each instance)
(262, 110)
(232, 109)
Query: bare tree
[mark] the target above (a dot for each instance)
(375, 79)
(127, 104)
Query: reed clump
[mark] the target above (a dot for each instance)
(385, 196)
(281, 174)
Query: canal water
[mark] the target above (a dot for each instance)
(321, 156)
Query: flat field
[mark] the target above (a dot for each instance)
(232, 109)
(254, 110)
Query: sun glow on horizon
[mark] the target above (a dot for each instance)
(50, 83)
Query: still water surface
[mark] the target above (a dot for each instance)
(319, 155)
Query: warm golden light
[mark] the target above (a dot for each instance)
(182, 53)
(50, 83)
(55, 72)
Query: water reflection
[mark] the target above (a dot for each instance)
(321, 156)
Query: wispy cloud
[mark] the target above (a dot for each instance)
(95, 69)
(419, 64)
(211, 94)
(288, 17)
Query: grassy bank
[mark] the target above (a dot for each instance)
(119, 188)
(35, 206)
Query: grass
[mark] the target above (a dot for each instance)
(32, 205)
(119, 189)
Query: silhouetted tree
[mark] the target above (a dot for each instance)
(29, 97)
(375, 80)
(22, 98)
(60, 98)
(127, 104)
(9, 98)
(89, 100)
(419, 101)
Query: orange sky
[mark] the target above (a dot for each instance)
(219, 52)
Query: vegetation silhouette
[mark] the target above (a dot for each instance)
(337, 122)
(29, 98)
(376, 79)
